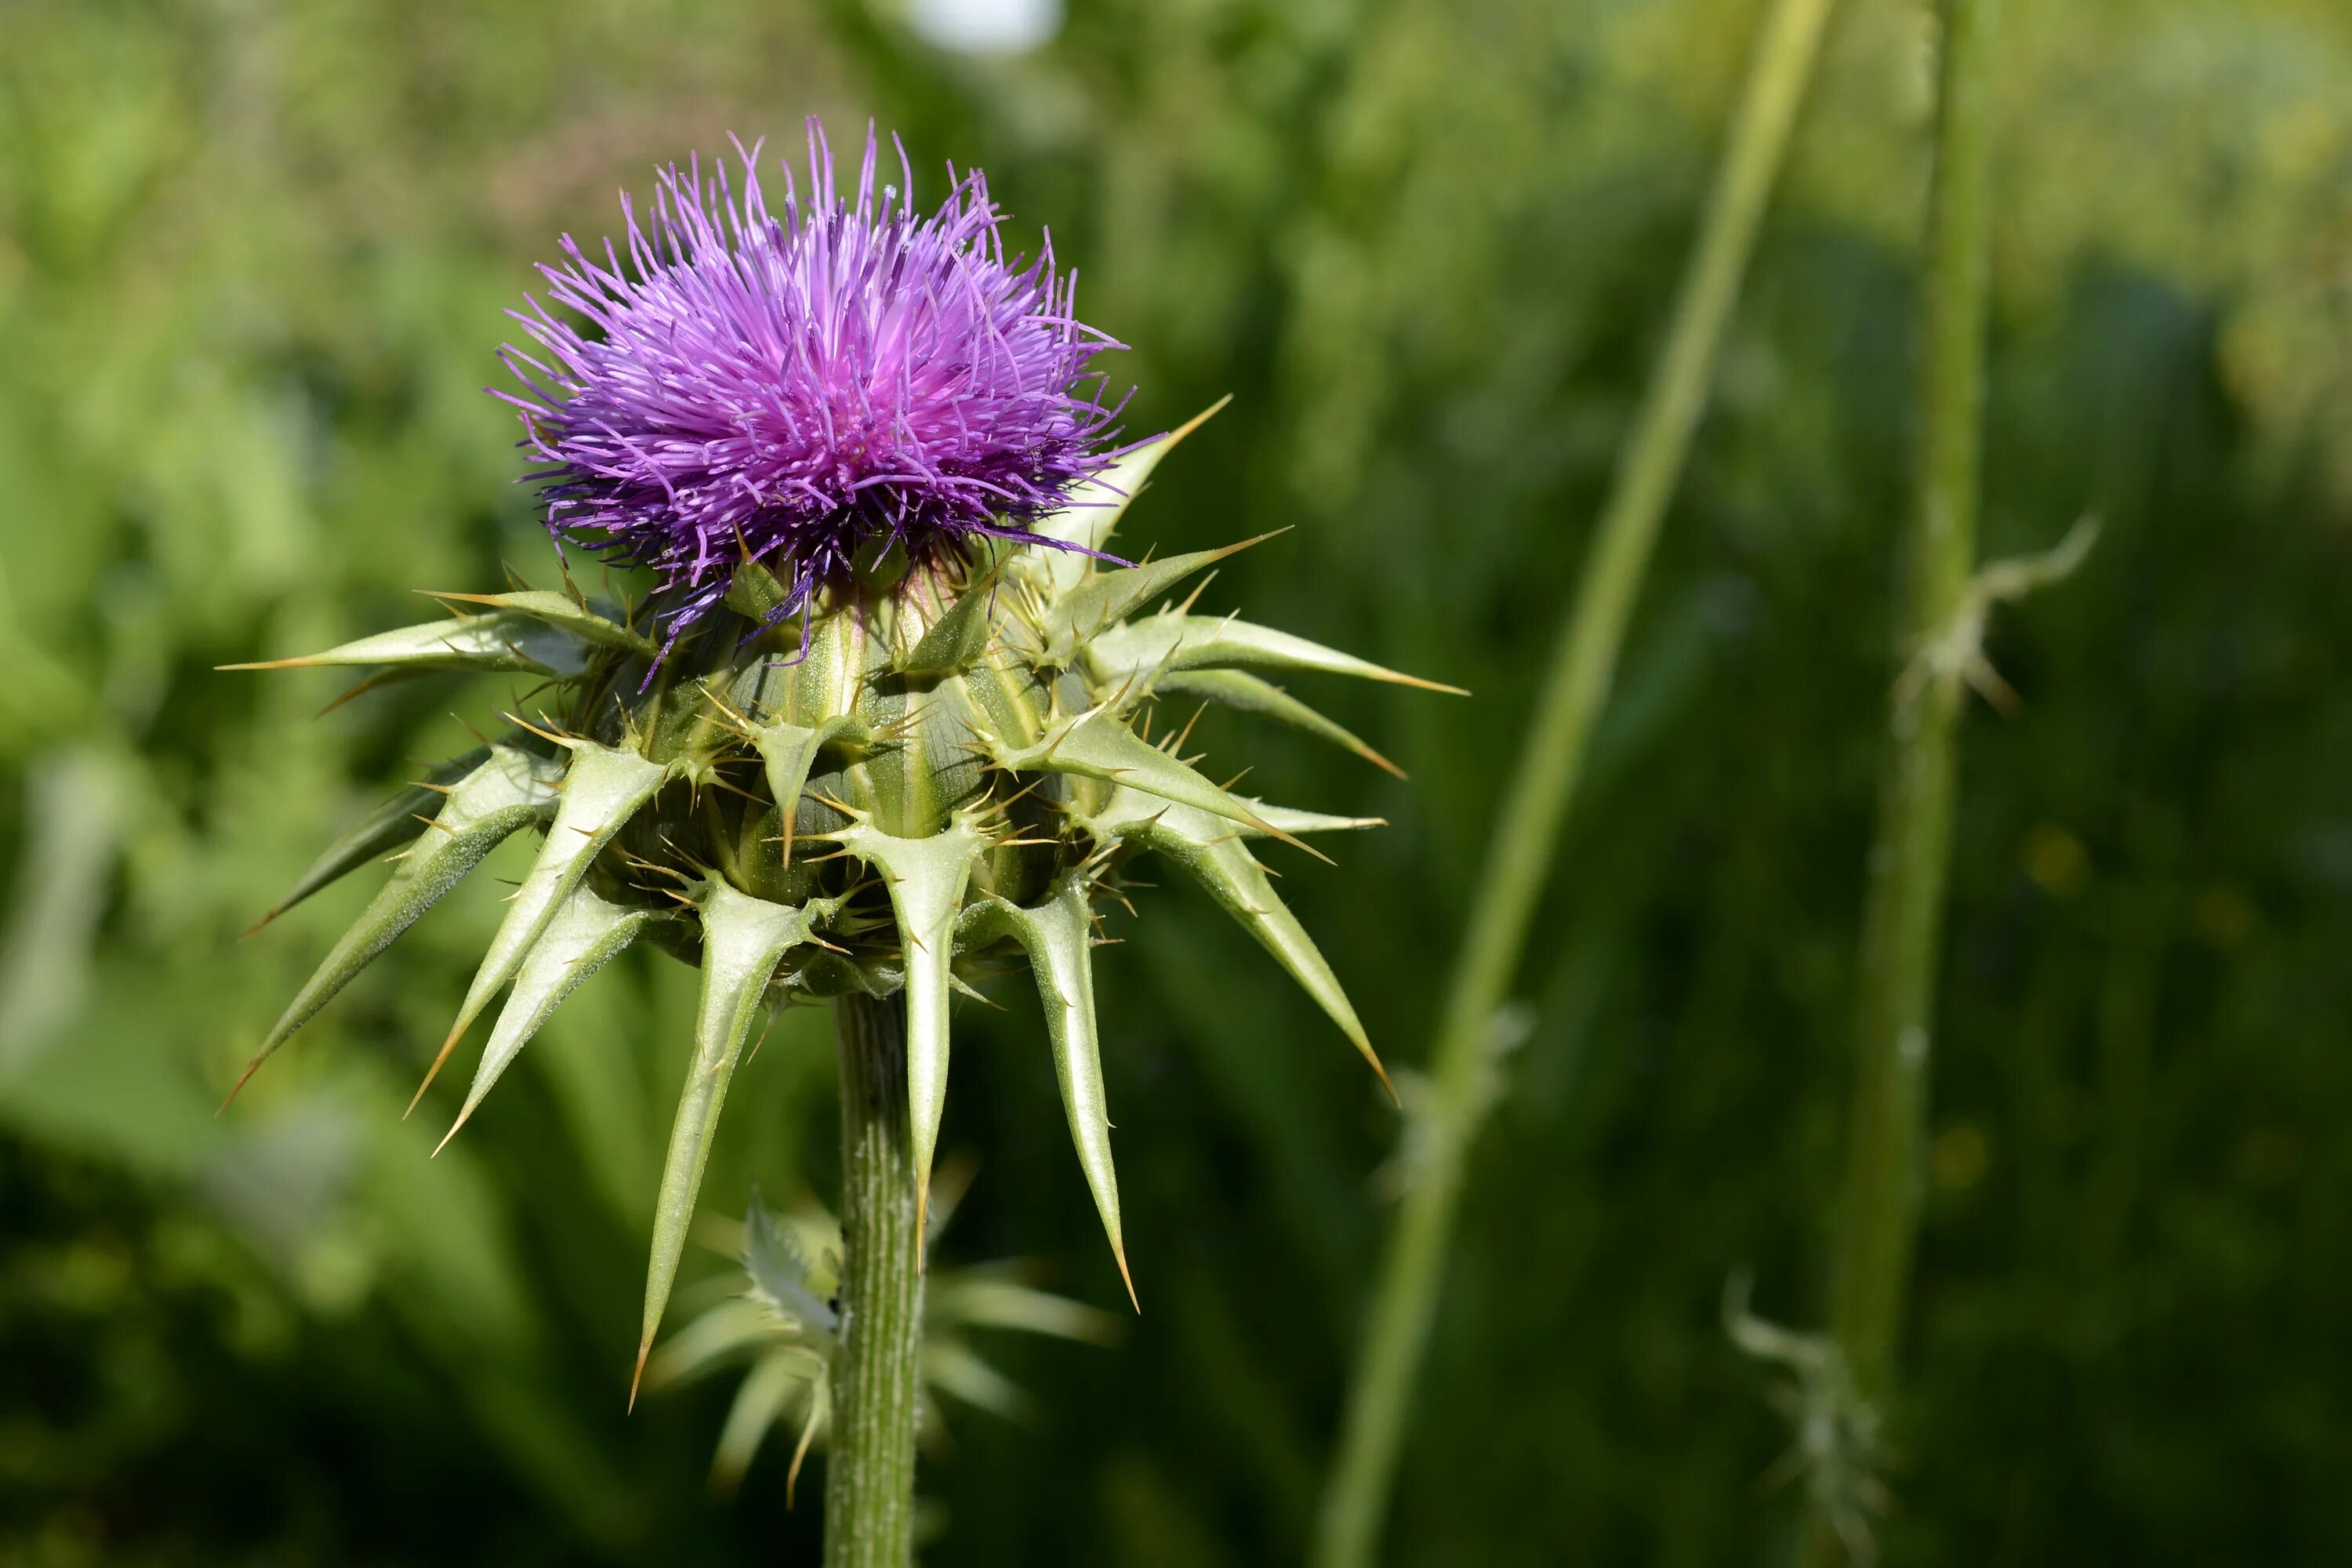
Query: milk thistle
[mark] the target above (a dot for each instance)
(882, 721)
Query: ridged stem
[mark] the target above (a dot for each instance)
(1519, 857)
(1911, 855)
(869, 1483)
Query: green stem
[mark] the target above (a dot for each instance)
(1903, 911)
(1520, 855)
(869, 1483)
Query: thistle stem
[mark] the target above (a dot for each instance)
(1904, 903)
(869, 1484)
(1576, 685)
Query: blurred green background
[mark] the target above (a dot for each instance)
(253, 257)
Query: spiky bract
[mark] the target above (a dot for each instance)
(944, 769)
(799, 387)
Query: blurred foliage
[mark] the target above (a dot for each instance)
(253, 255)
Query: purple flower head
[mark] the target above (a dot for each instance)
(790, 388)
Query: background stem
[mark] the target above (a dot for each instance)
(869, 1484)
(1903, 913)
(1575, 684)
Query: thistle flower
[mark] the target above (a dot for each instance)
(797, 389)
(952, 761)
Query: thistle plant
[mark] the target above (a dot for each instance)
(883, 718)
(782, 1320)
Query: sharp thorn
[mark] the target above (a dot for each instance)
(360, 688)
(296, 663)
(547, 735)
(451, 1133)
(1119, 1252)
(250, 1068)
(434, 1072)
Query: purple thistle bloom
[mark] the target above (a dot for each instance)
(792, 389)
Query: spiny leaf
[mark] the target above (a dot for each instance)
(753, 592)
(927, 878)
(601, 790)
(988, 1298)
(499, 640)
(509, 790)
(1217, 857)
(742, 938)
(820, 1414)
(1239, 690)
(586, 622)
(767, 1394)
(717, 1336)
(587, 933)
(788, 750)
(1175, 641)
(1097, 506)
(954, 1368)
(1107, 597)
(1058, 937)
(957, 639)
(1098, 744)
(781, 1272)
(1290, 819)
(379, 832)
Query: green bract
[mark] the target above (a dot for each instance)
(948, 774)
